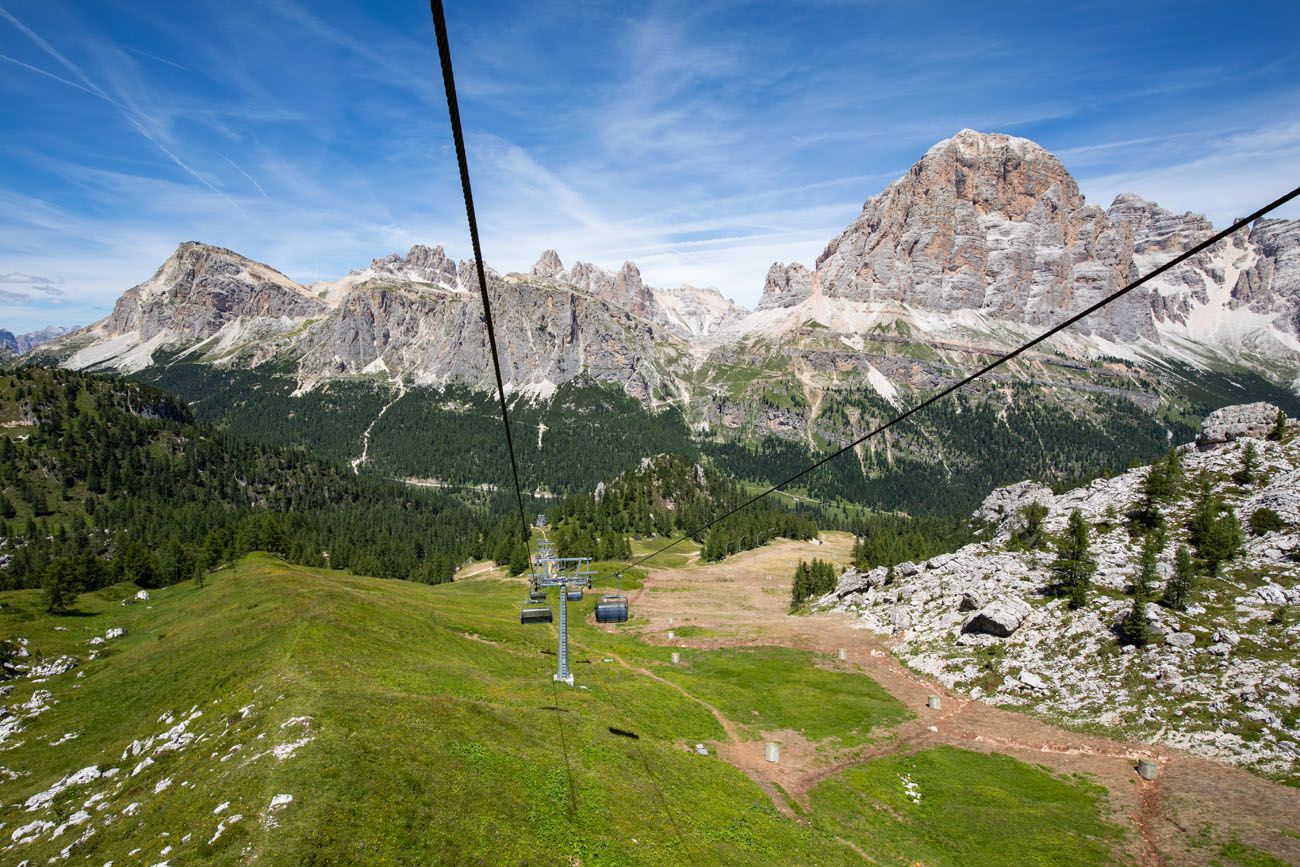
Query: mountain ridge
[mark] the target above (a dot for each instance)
(983, 244)
(986, 238)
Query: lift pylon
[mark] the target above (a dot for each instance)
(561, 572)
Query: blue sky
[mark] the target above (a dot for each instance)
(701, 140)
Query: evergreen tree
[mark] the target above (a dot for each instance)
(1279, 431)
(1135, 628)
(1074, 565)
(519, 559)
(812, 581)
(1245, 474)
(1028, 535)
(1214, 531)
(137, 563)
(1265, 520)
(1182, 583)
(60, 587)
(1165, 478)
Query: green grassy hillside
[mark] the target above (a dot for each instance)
(416, 724)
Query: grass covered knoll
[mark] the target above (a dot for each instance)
(948, 806)
(411, 724)
(771, 688)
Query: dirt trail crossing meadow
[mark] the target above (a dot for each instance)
(743, 602)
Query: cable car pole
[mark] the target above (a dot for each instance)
(564, 675)
(561, 572)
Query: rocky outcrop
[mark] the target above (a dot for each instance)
(624, 289)
(1233, 422)
(1004, 505)
(549, 266)
(1219, 678)
(785, 286)
(421, 264)
(1270, 285)
(1001, 617)
(687, 311)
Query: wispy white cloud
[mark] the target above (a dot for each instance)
(138, 120)
(702, 140)
(1225, 177)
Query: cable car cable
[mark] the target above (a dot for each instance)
(998, 362)
(453, 110)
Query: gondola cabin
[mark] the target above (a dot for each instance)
(535, 614)
(611, 609)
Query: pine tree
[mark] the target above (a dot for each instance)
(519, 559)
(1214, 530)
(1028, 534)
(1182, 583)
(799, 592)
(1074, 565)
(1279, 431)
(1135, 628)
(60, 587)
(1245, 474)
(1165, 477)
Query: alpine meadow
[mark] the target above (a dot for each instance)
(477, 489)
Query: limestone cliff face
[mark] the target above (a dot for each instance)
(199, 290)
(429, 335)
(995, 224)
(989, 223)
(785, 286)
(1271, 284)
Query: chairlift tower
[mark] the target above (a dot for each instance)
(564, 573)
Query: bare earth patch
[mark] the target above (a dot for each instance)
(744, 600)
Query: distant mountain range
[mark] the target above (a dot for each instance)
(17, 344)
(986, 241)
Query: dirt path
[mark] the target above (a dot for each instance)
(743, 602)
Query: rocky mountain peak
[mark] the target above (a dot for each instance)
(995, 173)
(196, 269)
(988, 223)
(785, 286)
(1156, 229)
(421, 264)
(200, 291)
(548, 265)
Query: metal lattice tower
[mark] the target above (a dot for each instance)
(561, 572)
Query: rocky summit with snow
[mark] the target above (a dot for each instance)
(1219, 677)
(986, 239)
(983, 244)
